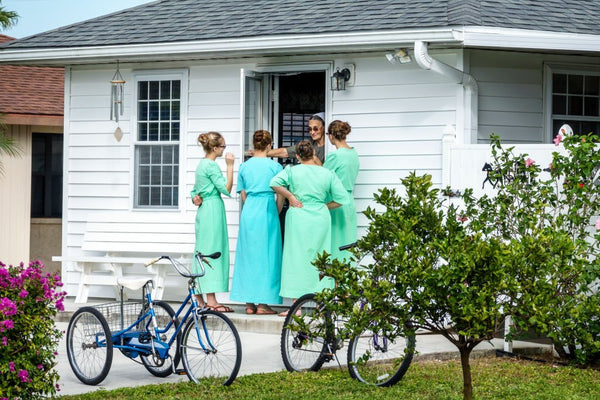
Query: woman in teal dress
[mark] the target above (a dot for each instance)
(344, 162)
(211, 224)
(257, 269)
(311, 190)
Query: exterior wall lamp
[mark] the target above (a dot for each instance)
(339, 79)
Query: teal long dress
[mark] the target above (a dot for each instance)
(344, 162)
(211, 227)
(257, 269)
(308, 229)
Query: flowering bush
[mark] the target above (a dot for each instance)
(550, 218)
(28, 339)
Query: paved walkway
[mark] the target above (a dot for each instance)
(260, 337)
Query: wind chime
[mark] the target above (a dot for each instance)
(117, 85)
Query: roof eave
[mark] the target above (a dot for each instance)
(521, 39)
(227, 48)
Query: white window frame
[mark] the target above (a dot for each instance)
(160, 75)
(549, 71)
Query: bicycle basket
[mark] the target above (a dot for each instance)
(116, 319)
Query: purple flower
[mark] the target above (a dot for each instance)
(23, 293)
(4, 341)
(8, 324)
(40, 367)
(23, 375)
(7, 307)
(11, 366)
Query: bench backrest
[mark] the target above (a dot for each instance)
(131, 233)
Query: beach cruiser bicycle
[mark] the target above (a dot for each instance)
(310, 338)
(205, 341)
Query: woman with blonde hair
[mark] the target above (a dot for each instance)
(257, 270)
(211, 224)
(311, 190)
(344, 162)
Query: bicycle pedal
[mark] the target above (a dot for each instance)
(180, 371)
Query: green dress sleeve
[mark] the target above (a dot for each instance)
(282, 178)
(215, 175)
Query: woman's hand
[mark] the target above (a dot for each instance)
(229, 159)
(197, 200)
(294, 202)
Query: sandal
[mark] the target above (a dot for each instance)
(285, 313)
(251, 310)
(220, 308)
(265, 311)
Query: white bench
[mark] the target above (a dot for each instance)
(115, 241)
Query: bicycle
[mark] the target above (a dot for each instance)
(206, 341)
(310, 338)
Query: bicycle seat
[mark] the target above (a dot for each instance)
(133, 283)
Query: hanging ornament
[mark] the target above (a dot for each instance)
(117, 84)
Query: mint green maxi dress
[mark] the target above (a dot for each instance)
(257, 268)
(344, 162)
(211, 227)
(307, 229)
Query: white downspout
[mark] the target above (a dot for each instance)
(425, 61)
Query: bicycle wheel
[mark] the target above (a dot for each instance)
(376, 360)
(89, 345)
(164, 314)
(213, 349)
(304, 337)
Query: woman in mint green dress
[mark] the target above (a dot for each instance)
(311, 190)
(257, 270)
(344, 162)
(211, 224)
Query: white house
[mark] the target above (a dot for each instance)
(429, 81)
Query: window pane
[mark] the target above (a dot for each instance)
(143, 90)
(155, 155)
(592, 85)
(56, 196)
(167, 176)
(144, 175)
(165, 89)
(167, 196)
(167, 156)
(38, 155)
(575, 105)
(142, 111)
(591, 106)
(575, 83)
(57, 154)
(175, 110)
(144, 152)
(153, 131)
(559, 104)
(155, 176)
(155, 196)
(144, 196)
(165, 110)
(153, 111)
(37, 196)
(142, 131)
(175, 131)
(164, 131)
(154, 89)
(175, 89)
(559, 83)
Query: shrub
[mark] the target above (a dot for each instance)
(28, 339)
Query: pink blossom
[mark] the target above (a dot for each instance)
(529, 162)
(8, 324)
(550, 165)
(557, 139)
(40, 367)
(11, 366)
(4, 341)
(598, 224)
(23, 375)
(23, 293)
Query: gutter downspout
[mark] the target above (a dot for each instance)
(425, 61)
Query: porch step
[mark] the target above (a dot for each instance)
(270, 324)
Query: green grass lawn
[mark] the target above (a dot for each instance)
(493, 378)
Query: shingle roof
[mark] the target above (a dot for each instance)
(195, 20)
(31, 90)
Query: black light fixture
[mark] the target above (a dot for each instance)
(339, 79)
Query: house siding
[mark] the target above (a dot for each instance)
(397, 114)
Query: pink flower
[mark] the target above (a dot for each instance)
(23, 293)
(40, 367)
(557, 139)
(529, 162)
(11, 366)
(23, 375)
(598, 224)
(550, 165)
(4, 341)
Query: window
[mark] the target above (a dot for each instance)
(157, 144)
(46, 175)
(576, 101)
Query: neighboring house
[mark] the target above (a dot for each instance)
(31, 107)
(516, 69)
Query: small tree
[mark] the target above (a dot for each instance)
(429, 269)
(7, 18)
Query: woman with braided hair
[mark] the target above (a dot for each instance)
(311, 190)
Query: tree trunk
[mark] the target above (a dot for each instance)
(465, 352)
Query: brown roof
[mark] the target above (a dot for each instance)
(31, 90)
